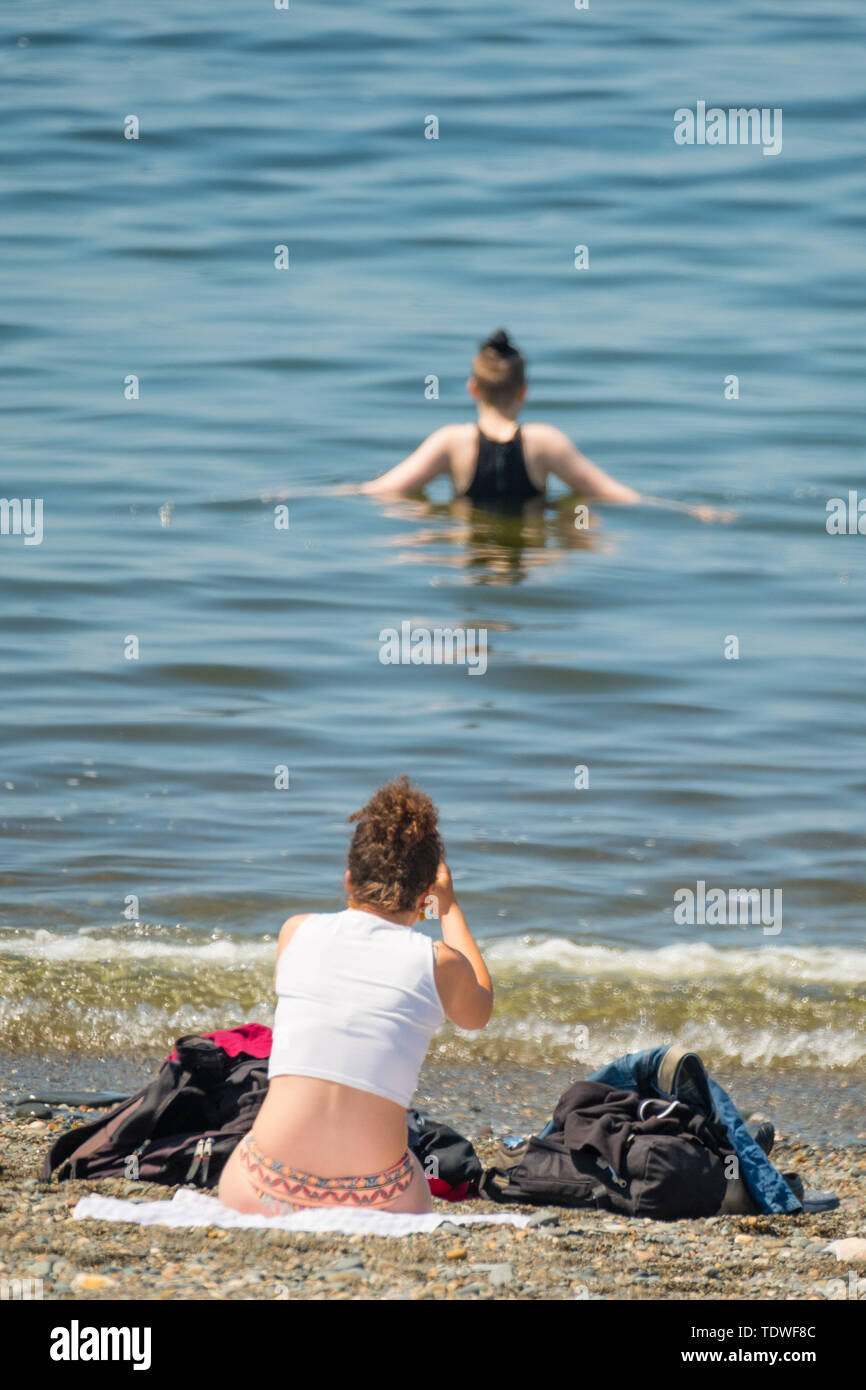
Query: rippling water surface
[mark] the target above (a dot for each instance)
(148, 785)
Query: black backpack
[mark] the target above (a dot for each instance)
(181, 1128)
(451, 1165)
(616, 1151)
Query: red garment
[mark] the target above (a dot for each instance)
(252, 1039)
(440, 1188)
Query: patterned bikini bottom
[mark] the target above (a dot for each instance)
(289, 1190)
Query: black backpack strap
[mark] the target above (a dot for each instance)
(196, 1160)
(143, 1119)
(200, 1160)
(493, 1190)
(490, 1186)
(682, 1075)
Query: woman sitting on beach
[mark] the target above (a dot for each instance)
(359, 995)
(499, 463)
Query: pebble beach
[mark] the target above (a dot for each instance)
(562, 1254)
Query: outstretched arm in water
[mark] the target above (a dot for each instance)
(588, 480)
(427, 461)
(580, 473)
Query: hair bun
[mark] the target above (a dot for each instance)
(501, 343)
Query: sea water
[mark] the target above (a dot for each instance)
(270, 283)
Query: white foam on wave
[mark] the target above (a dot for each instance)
(141, 1026)
(734, 1043)
(85, 1028)
(696, 960)
(123, 946)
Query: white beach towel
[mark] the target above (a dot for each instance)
(849, 1251)
(190, 1207)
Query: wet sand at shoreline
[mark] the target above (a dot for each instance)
(821, 1106)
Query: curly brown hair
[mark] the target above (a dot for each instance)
(396, 847)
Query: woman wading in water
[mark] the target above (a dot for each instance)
(359, 995)
(498, 463)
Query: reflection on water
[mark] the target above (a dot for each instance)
(493, 547)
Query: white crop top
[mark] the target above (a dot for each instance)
(356, 1003)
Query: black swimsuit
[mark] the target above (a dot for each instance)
(500, 478)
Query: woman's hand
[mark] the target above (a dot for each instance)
(710, 514)
(700, 512)
(443, 890)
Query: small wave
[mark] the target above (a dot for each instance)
(542, 1042)
(138, 987)
(693, 961)
(523, 955)
(126, 945)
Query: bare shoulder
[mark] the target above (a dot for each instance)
(289, 927)
(455, 434)
(546, 439)
(445, 433)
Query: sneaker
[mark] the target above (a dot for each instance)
(819, 1201)
(764, 1135)
(795, 1182)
